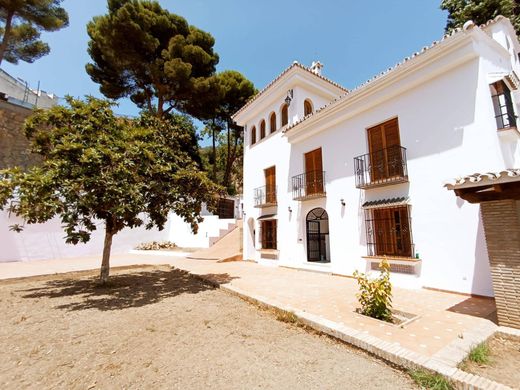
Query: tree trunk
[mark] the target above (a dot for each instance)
(231, 158)
(7, 34)
(105, 263)
(214, 152)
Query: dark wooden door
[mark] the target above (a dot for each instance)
(385, 150)
(313, 172)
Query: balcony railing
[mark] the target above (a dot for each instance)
(265, 196)
(308, 185)
(384, 167)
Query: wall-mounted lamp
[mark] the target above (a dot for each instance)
(289, 97)
(289, 209)
(342, 202)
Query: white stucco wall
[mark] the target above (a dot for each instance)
(446, 122)
(45, 241)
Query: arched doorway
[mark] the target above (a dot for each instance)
(318, 236)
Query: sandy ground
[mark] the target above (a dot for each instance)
(161, 328)
(504, 366)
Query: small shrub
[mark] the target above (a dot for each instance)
(480, 354)
(375, 295)
(430, 381)
(286, 316)
(155, 246)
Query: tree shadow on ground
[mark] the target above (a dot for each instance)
(124, 290)
(477, 307)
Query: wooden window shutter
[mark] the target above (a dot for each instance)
(262, 129)
(270, 184)
(253, 135)
(313, 172)
(273, 122)
(384, 146)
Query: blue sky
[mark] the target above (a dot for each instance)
(353, 39)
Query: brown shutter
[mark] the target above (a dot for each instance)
(273, 122)
(314, 172)
(392, 232)
(285, 114)
(406, 243)
(270, 185)
(253, 135)
(385, 152)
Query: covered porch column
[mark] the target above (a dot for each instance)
(498, 195)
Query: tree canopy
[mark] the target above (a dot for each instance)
(23, 22)
(480, 11)
(142, 51)
(98, 167)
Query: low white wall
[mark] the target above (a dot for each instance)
(45, 241)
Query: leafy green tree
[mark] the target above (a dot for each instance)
(480, 11)
(96, 166)
(23, 22)
(142, 51)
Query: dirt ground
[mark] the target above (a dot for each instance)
(161, 328)
(504, 366)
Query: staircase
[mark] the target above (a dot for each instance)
(227, 247)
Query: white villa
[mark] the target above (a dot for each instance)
(337, 179)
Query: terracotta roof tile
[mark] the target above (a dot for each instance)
(376, 77)
(286, 70)
(483, 178)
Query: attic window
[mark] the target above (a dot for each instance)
(285, 114)
(307, 107)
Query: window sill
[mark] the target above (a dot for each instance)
(393, 258)
(510, 134)
(399, 265)
(269, 254)
(269, 251)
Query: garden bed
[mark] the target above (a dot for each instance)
(501, 355)
(399, 318)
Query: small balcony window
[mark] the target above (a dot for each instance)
(503, 105)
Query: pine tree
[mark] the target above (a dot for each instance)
(24, 20)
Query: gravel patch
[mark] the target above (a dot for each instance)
(158, 327)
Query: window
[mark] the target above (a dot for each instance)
(313, 172)
(268, 234)
(270, 185)
(272, 120)
(388, 232)
(285, 115)
(386, 160)
(253, 135)
(262, 129)
(503, 105)
(307, 107)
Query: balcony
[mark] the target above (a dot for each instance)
(308, 185)
(265, 196)
(381, 168)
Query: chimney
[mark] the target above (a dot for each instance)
(316, 67)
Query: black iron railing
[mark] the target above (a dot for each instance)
(265, 196)
(387, 166)
(308, 185)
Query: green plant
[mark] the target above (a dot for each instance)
(479, 354)
(375, 295)
(430, 381)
